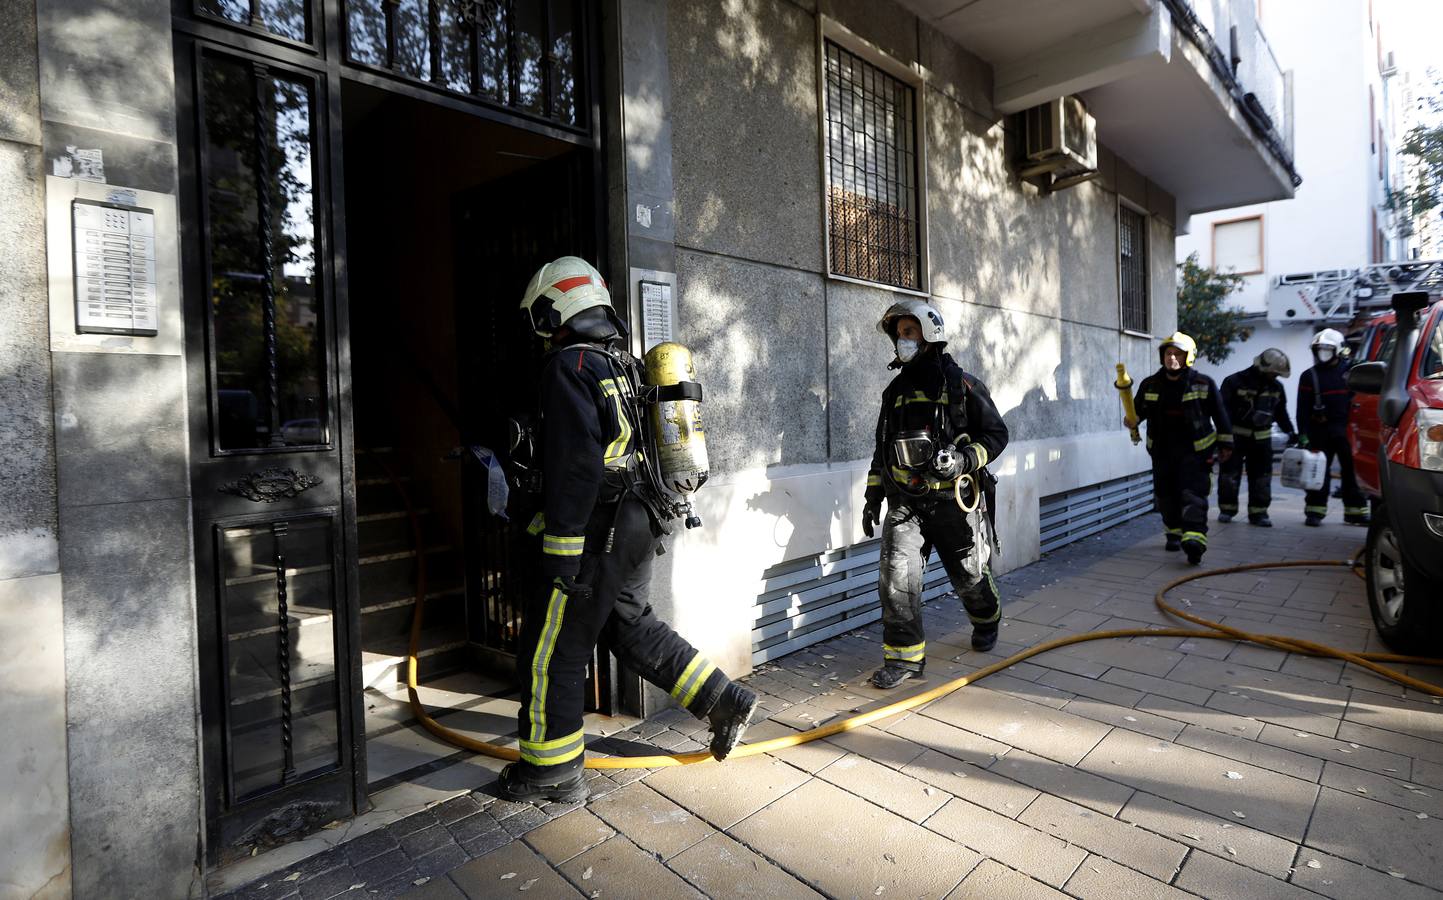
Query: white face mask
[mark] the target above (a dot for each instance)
(907, 349)
(1325, 354)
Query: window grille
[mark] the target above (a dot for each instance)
(872, 195)
(1132, 268)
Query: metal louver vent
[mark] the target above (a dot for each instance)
(813, 598)
(1076, 514)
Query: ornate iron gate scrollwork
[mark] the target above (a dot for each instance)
(271, 484)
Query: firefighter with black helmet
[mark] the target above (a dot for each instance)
(1187, 428)
(1254, 399)
(937, 432)
(599, 533)
(1323, 403)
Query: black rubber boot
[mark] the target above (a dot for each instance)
(1173, 543)
(525, 783)
(984, 637)
(729, 717)
(1225, 517)
(1261, 520)
(1356, 520)
(1312, 521)
(1194, 552)
(890, 676)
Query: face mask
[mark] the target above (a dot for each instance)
(1325, 354)
(907, 350)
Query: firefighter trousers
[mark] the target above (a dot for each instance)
(1335, 446)
(1181, 483)
(561, 632)
(911, 526)
(1256, 458)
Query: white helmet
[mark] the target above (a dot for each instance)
(561, 289)
(1273, 361)
(925, 313)
(1327, 346)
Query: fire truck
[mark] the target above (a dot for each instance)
(1395, 427)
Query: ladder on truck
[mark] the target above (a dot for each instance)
(1337, 295)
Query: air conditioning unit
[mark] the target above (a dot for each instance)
(1061, 143)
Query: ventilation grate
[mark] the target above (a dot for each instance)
(813, 598)
(1073, 515)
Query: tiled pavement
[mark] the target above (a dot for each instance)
(1151, 767)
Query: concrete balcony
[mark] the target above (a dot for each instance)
(1188, 92)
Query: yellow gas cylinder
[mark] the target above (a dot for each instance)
(676, 417)
(1129, 409)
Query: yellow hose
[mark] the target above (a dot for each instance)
(975, 488)
(1215, 631)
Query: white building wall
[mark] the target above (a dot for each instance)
(1331, 48)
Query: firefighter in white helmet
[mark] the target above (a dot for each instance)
(1254, 399)
(937, 425)
(1323, 403)
(599, 534)
(1187, 428)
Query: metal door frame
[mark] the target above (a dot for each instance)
(323, 61)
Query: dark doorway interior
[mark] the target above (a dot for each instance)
(447, 216)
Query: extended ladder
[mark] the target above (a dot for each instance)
(1337, 295)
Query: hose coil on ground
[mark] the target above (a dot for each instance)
(1209, 630)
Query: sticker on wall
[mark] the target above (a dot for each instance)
(80, 163)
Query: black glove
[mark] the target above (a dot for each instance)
(1294, 440)
(573, 589)
(966, 462)
(870, 514)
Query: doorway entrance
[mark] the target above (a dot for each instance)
(365, 188)
(447, 217)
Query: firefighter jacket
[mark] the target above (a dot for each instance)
(1255, 400)
(1183, 414)
(586, 430)
(1323, 401)
(933, 393)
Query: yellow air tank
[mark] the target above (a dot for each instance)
(676, 418)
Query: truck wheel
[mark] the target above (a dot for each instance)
(1403, 600)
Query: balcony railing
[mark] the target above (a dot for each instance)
(1227, 33)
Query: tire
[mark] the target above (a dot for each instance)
(1403, 601)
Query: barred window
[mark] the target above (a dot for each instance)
(1132, 268)
(872, 195)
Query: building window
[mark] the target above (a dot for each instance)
(1238, 245)
(1132, 268)
(873, 227)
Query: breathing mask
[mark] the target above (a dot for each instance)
(914, 449)
(908, 349)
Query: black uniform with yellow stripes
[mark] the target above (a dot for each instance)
(1324, 400)
(1186, 423)
(931, 393)
(598, 538)
(1254, 400)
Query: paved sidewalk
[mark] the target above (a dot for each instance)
(1151, 767)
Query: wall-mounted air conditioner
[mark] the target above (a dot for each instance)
(1061, 143)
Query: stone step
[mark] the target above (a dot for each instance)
(442, 651)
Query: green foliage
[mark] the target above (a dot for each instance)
(1201, 313)
(1418, 200)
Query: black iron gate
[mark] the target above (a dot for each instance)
(258, 86)
(508, 231)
